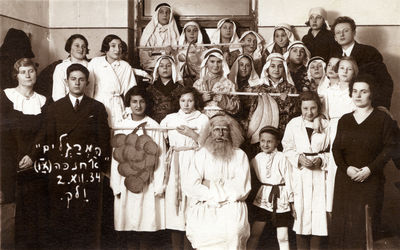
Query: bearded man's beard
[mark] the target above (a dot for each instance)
(222, 149)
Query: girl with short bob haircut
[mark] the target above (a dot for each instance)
(110, 78)
(77, 47)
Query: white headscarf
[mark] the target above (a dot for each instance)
(175, 74)
(299, 44)
(182, 38)
(254, 79)
(319, 12)
(218, 54)
(154, 26)
(315, 59)
(257, 54)
(264, 78)
(216, 36)
(288, 30)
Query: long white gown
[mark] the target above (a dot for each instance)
(143, 211)
(309, 186)
(108, 83)
(217, 216)
(337, 102)
(181, 153)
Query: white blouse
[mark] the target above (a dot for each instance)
(27, 105)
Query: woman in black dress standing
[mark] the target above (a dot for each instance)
(28, 108)
(363, 145)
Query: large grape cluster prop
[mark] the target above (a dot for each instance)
(137, 157)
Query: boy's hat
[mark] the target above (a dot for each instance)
(271, 130)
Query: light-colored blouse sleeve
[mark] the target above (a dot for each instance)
(60, 88)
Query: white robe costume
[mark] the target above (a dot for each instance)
(336, 102)
(180, 154)
(155, 34)
(142, 211)
(108, 83)
(60, 87)
(217, 216)
(217, 83)
(309, 186)
(194, 50)
(216, 36)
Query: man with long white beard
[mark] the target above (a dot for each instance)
(217, 186)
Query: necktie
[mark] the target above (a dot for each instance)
(344, 54)
(76, 106)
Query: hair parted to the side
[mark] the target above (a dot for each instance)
(353, 63)
(368, 79)
(235, 130)
(198, 100)
(23, 62)
(105, 45)
(72, 38)
(140, 91)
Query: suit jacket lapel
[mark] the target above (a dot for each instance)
(81, 114)
(356, 51)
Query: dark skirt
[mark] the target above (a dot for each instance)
(348, 227)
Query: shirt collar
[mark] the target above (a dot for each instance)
(73, 99)
(348, 51)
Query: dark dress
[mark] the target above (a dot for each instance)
(16, 45)
(31, 195)
(28, 187)
(299, 78)
(323, 44)
(369, 143)
(164, 99)
(44, 82)
(8, 156)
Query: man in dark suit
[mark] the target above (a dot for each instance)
(368, 58)
(75, 138)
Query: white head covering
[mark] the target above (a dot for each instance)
(288, 30)
(155, 26)
(254, 79)
(182, 38)
(264, 78)
(175, 74)
(216, 36)
(218, 54)
(301, 45)
(257, 54)
(318, 11)
(315, 59)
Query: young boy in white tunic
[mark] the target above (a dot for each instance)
(274, 199)
(217, 185)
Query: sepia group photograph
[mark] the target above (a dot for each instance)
(212, 124)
